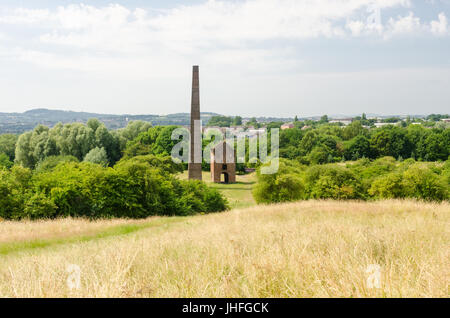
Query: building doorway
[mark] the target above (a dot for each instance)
(224, 178)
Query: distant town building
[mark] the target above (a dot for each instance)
(446, 120)
(255, 132)
(287, 126)
(344, 121)
(221, 129)
(378, 125)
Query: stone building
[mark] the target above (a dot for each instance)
(223, 163)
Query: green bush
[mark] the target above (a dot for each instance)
(332, 182)
(418, 181)
(383, 178)
(132, 189)
(13, 191)
(38, 206)
(284, 186)
(388, 187)
(51, 162)
(164, 163)
(196, 196)
(10, 195)
(422, 183)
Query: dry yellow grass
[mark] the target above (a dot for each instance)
(11, 231)
(306, 249)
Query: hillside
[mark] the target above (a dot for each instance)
(20, 122)
(17, 123)
(305, 249)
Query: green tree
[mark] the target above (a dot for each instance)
(353, 130)
(437, 146)
(220, 121)
(4, 161)
(24, 152)
(8, 145)
(323, 119)
(357, 148)
(98, 156)
(391, 141)
(133, 129)
(237, 121)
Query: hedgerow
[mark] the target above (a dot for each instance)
(135, 188)
(383, 178)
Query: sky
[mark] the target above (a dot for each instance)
(257, 57)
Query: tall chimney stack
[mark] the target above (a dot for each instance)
(195, 156)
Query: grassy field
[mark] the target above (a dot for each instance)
(239, 194)
(306, 249)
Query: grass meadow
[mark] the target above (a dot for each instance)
(239, 194)
(305, 249)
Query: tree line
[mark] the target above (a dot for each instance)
(132, 188)
(328, 143)
(383, 178)
(87, 170)
(318, 143)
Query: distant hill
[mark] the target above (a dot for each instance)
(20, 122)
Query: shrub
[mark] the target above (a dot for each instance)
(417, 181)
(131, 189)
(164, 163)
(197, 197)
(13, 191)
(284, 186)
(388, 187)
(51, 162)
(39, 206)
(332, 182)
(421, 183)
(11, 199)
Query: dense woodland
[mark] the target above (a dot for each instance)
(87, 170)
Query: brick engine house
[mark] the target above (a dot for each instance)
(223, 163)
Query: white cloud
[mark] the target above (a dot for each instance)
(218, 21)
(356, 27)
(440, 27)
(408, 24)
(25, 16)
(115, 38)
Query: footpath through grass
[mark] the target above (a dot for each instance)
(116, 230)
(239, 194)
